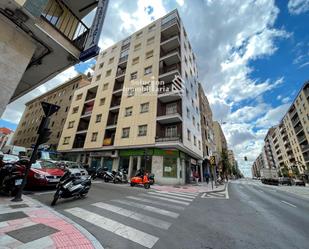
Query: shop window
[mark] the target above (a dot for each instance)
(170, 167)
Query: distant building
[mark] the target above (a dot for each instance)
(26, 132)
(231, 158)
(39, 39)
(5, 136)
(258, 164)
(220, 140)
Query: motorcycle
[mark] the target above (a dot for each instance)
(109, 176)
(140, 178)
(121, 176)
(71, 186)
(10, 179)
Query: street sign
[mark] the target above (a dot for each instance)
(49, 109)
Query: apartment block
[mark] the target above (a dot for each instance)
(231, 158)
(220, 140)
(38, 40)
(26, 132)
(141, 109)
(258, 164)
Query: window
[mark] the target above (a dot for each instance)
(58, 135)
(149, 54)
(71, 124)
(146, 87)
(145, 107)
(133, 76)
(98, 77)
(150, 40)
(171, 131)
(102, 101)
(137, 47)
(194, 139)
(142, 130)
(66, 140)
(70, 98)
(101, 65)
(105, 86)
(188, 113)
(125, 132)
(111, 60)
(135, 60)
(114, 48)
(79, 96)
(193, 120)
(128, 111)
(171, 108)
(189, 135)
(198, 126)
(139, 35)
(170, 167)
(98, 118)
(66, 109)
(75, 110)
(148, 70)
(94, 136)
(108, 73)
(131, 92)
(104, 54)
(152, 28)
(199, 144)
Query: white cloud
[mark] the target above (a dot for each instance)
(297, 7)
(180, 2)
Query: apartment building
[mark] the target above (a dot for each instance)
(231, 158)
(142, 108)
(220, 140)
(26, 132)
(39, 39)
(258, 164)
(268, 150)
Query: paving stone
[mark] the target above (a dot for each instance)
(12, 216)
(31, 233)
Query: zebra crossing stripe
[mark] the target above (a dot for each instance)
(167, 199)
(133, 215)
(115, 227)
(176, 194)
(163, 204)
(149, 208)
(170, 196)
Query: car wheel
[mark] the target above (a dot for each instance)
(146, 185)
(132, 184)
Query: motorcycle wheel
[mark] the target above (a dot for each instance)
(114, 181)
(56, 197)
(106, 179)
(147, 185)
(132, 184)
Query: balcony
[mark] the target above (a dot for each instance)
(167, 73)
(88, 107)
(170, 57)
(168, 133)
(295, 121)
(169, 92)
(301, 138)
(298, 129)
(168, 139)
(292, 112)
(79, 141)
(91, 94)
(170, 42)
(169, 113)
(170, 24)
(109, 138)
(305, 148)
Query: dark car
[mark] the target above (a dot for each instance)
(298, 182)
(285, 181)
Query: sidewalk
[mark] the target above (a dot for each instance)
(29, 224)
(190, 188)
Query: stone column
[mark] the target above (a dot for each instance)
(130, 167)
(116, 163)
(201, 170)
(102, 161)
(139, 159)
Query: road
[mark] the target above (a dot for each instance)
(248, 215)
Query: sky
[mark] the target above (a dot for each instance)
(252, 56)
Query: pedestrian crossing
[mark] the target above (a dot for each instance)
(157, 209)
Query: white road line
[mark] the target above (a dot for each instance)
(176, 194)
(287, 203)
(183, 193)
(133, 215)
(156, 202)
(45, 193)
(149, 208)
(169, 196)
(167, 199)
(115, 227)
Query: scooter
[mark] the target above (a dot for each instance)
(71, 186)
(109, 176)
(121, 176)
(151, 178)
(10, 179)
(140, 178)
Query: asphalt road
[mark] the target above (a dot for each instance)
(248, 216)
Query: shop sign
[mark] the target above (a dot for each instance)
(137, 152)
(167, 169)
(172, 153)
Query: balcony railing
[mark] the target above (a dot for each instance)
(163, 54)
(169, 23)
(61, 17)
(123, 59)
(168, 139)
(293, 113)
(120, 73)
(108, 141)
(167, 69)
(305, 147)
(298, 129)
(301, 138)
(295, 121)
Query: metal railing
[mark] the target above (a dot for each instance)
(120, 72)
(298, 129)
(166, 38)
(61, 17)
(168, 139)
(305, 147)
(123, 59)
(170, 23)
(163, 54)
(293, 113)
(167, 69)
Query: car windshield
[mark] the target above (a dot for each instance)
(72, 165)
(43, 164)
(10, 158)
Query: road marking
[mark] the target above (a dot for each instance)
(115, 227)
(133, 215)
(176, 194)
(287, 203)
(149, 208)
(156, 202)
(170, 196)
(167, 199)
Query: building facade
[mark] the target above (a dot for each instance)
(5, 136)
(38, 40)
(142, 108)
(231, 158)
(26, 132)
(258, 164)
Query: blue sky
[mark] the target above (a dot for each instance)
(253, 57)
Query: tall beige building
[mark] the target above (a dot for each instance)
(220, 140)
(134, 114)
(26, 132)
(231, 158)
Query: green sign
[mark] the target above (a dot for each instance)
(137, 152)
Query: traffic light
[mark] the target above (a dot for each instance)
(245, 158)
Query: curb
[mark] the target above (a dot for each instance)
(217, 191)
(88, 235)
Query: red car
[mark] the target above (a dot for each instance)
(42, 173)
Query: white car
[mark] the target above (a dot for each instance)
(75, 168)
(10, 158)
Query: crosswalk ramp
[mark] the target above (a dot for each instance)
(125, 217)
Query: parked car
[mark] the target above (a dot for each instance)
(42, 173)
(298, 182)
(285, 181)
(74, 167)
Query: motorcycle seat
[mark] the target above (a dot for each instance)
(77, 181)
